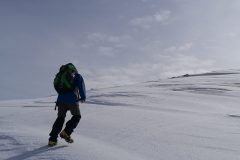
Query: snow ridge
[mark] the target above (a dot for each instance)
(188, 117)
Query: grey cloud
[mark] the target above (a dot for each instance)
(140, 72)
(106, 51)
(113, 42)
(178, 49)
(147, 21)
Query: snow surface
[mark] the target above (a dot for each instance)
(184, 118)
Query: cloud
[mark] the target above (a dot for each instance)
(106, 44)
(141, 72)
(96, 37)
(231, 34)
(158, 48)
(107, 38)
(186, 64)
(106, 51)
(146, 22)
(179, 49)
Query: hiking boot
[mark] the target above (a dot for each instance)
(65, 136)
(52, 143)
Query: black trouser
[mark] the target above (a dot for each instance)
(70, 125)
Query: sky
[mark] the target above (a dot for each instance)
(113, 42)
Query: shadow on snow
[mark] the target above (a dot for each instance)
(34, 152)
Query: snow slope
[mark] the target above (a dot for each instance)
(185, 118)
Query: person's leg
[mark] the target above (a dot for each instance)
(58, 124)
(73, 122)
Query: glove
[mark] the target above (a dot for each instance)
(82, 100)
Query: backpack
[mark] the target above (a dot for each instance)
(64, 79)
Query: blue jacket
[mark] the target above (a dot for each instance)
(72, 98)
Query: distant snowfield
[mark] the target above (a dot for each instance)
(196, 117)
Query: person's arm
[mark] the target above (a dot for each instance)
(81, 87)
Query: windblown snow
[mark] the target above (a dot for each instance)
(193, 117)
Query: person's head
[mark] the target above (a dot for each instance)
(71, 68)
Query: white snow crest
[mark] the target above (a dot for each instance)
(186, 117)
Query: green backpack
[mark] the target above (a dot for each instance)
(64, 79)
